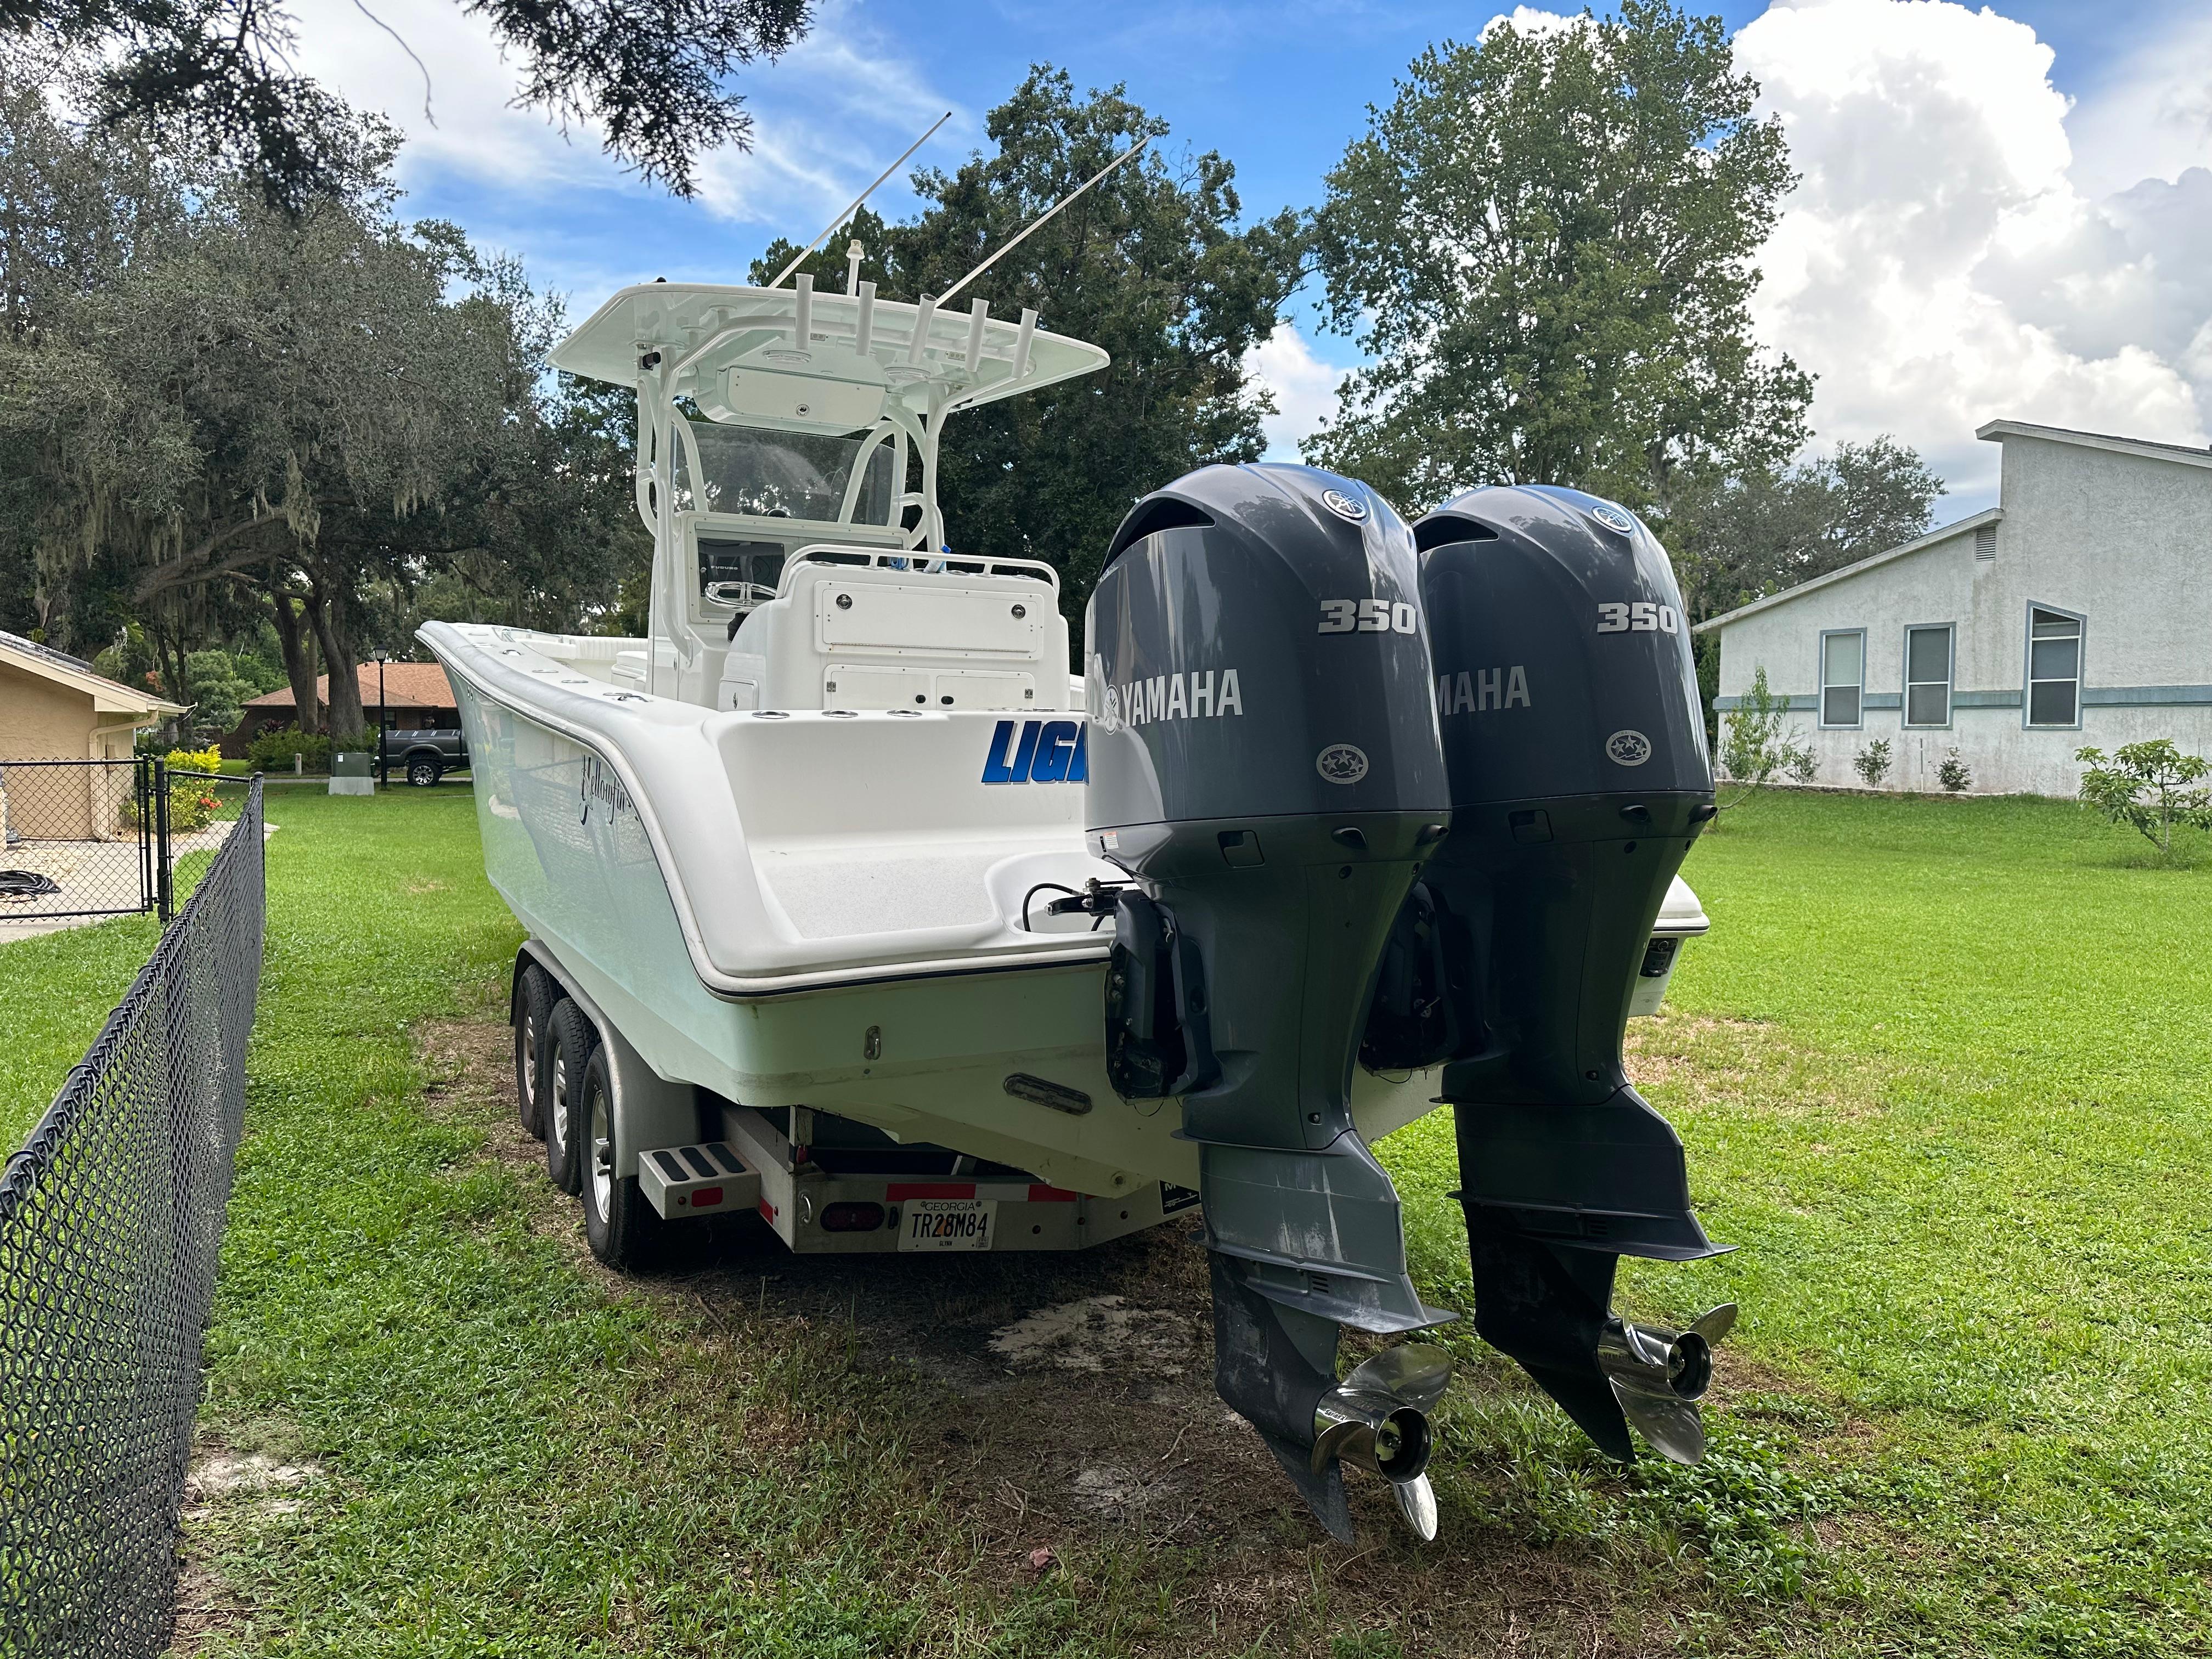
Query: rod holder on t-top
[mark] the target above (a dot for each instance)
(1567, 699)
(1264, 765)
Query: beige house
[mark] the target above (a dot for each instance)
(55, 707)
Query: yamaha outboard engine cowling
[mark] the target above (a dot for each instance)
(1566, 697)
(1264, 764)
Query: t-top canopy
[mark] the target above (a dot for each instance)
(738, 353)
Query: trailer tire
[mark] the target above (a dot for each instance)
(573, 1042)
(619, 1223)
(533, 1006)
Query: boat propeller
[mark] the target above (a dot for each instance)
(1658, 1376)
(1378, 1418)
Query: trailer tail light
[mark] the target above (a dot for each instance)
(705, 1197)
(852, 1218)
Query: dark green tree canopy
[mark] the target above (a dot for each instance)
(215, 416)
(1544, 242)
(1151, 265)
(214, 77)
(1738, 538)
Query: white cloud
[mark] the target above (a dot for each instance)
(1533, 21)
(1938, 266)
(467, 125)
(829, 113)
(2150, 114)
(1304, 388)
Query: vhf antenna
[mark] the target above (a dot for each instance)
(1035, 224)
(854, 206)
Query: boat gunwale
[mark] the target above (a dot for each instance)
(744, 988)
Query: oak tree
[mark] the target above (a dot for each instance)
(1545, 244)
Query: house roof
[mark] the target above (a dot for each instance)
(406, 685)
(2187, 454)
(1940, 533)
(109, 696)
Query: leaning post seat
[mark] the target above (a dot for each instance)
(862, 628)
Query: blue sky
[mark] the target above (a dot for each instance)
(1999, 217)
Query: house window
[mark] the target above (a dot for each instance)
(1928, 674)
(2054, 667)
(1843, 677)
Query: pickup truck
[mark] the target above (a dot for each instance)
(424, 756)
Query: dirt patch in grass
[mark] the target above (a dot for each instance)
(1064, 1403)
(230, 1482)
(1687, 1061)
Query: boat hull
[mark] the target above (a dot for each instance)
(926, 1055)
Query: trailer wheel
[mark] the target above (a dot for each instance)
(573, 1039)
(534, 1002)
(619, 1224)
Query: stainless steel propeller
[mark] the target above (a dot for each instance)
(1378, 1418)
(1658, 1375)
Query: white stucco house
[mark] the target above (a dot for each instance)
(2077, 610)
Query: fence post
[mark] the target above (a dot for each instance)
(140, 772)
(168, 905)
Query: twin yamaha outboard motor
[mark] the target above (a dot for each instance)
(1567, 700)
(1264, 764)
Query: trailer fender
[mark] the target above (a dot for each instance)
(649, 1110)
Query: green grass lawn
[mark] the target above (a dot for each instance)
(56, 990)
(1940, 1069)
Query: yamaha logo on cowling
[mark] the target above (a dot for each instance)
(1044, 751)
(1341, 763)
(1628, 748)
(1190, 695)
(1614, 519)
(1344, 505)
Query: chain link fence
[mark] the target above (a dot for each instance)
(111, 1219)
(78, 838)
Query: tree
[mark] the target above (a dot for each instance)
(1758, 744)
(1738, 537)
(1150, 265)
(1545, 243)
(239, 418)
(2151, 786)
(213, 77)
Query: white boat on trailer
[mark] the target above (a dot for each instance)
(823, 921)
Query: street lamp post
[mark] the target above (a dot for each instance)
(383, 743)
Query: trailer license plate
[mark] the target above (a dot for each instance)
(947, 1224)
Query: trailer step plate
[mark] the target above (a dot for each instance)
(947, 1224)
(689, 1181)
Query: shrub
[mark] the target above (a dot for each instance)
(1872, 762)
(2152, 786)
(273, 750)
(1801, 764)
(1952, 774)
(193, 801)
(1754, 744)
